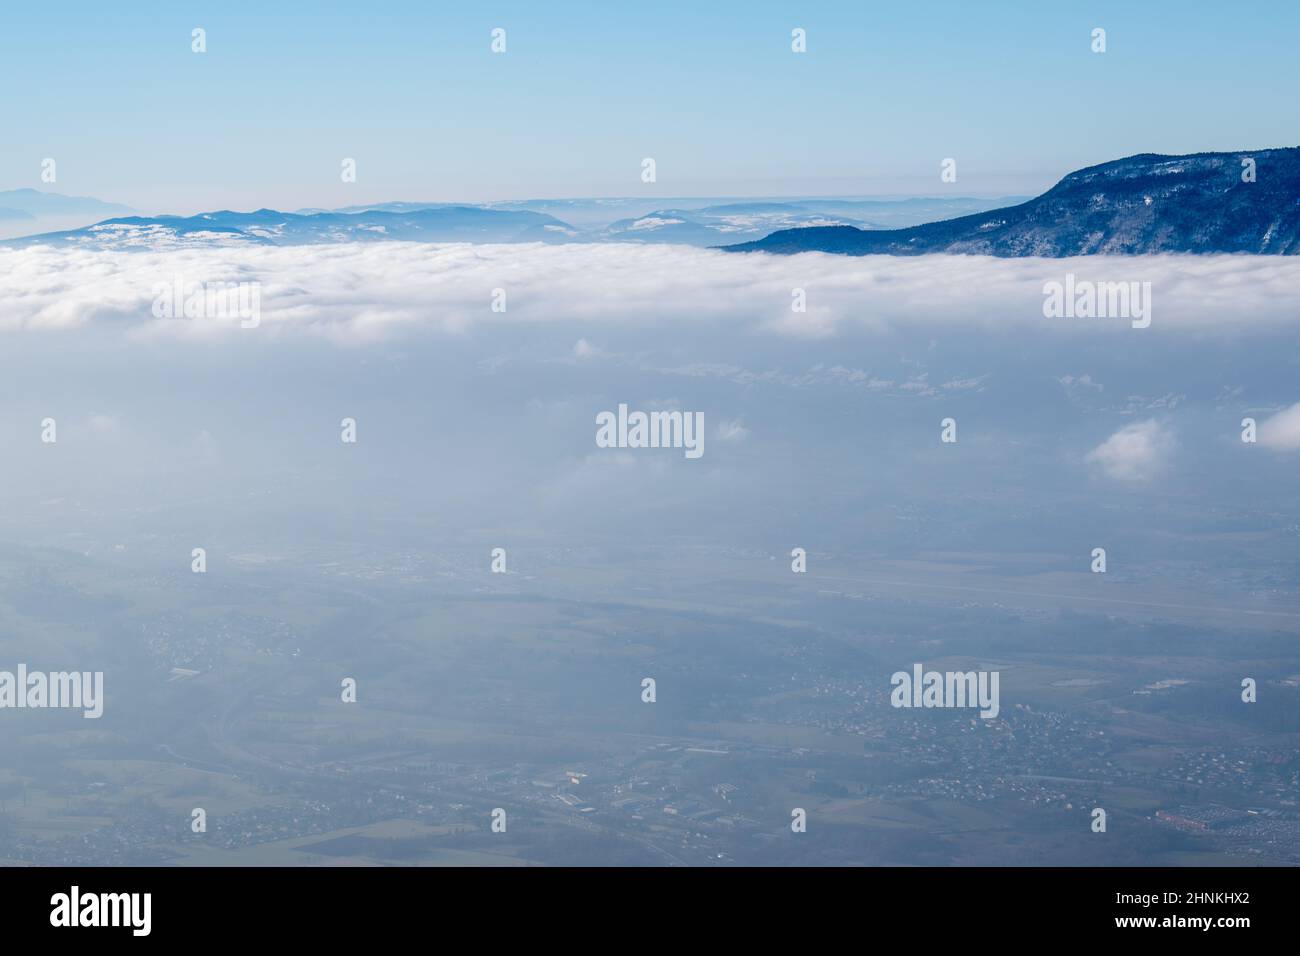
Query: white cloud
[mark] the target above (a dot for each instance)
(1281, 432)
(365, 291)
(1135, 453)
(1072, 382)
(733, 431)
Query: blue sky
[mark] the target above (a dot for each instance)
(586, 90)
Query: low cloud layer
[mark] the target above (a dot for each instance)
(366, 292)
(487, 418)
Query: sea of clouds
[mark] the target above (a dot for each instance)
(826, 420)
(363, 292)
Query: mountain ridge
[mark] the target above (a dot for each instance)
(272, 227)
(705, 224)
(1141, 204)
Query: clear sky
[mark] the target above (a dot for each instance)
(586, 90)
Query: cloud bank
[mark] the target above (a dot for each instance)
(365, 292)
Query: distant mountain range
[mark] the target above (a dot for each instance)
(27, 211)
(525, 221)
(725, 222)
(1143, 204)
(32, 204)
(273, 228)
